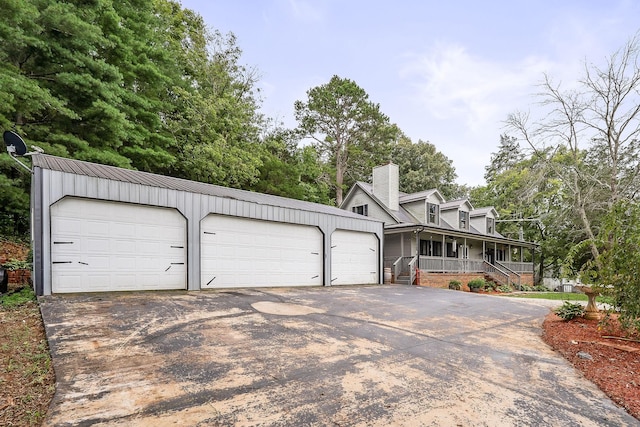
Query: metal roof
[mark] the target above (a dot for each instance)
(113, 173)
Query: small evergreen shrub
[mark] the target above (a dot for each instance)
(476, 284)
(505, 289)
(569, 310)
(455, 285)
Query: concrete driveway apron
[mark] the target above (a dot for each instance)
(347, 356)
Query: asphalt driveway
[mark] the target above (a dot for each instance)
(343, 356)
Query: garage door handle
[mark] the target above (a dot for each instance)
(174, 263)
(177, 247)
(372, 250)
(208, 232)
(83, 263)
(316, 276)
(209, 282)
(315, 253)
(62, 262)
(63, 243)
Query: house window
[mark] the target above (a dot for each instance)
(464, 220)
(490, 225)
(430, 248)
(433, 213)
(362, 210)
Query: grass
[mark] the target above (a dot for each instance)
(17, 298)
(26, 375)
(560, 296)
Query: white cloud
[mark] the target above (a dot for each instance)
(453, 84)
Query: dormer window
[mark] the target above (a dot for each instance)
(490, 225)
(362, 210)
(433, 213)
(464, 220)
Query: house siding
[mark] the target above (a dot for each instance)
(359, 198)
(417, 209)
(50, 186)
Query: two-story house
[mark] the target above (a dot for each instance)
(444, 240)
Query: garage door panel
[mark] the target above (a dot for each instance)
(238, 252)
(354, 258)
(116, 246)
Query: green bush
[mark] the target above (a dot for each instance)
(15, 264)
(489, 286)
(476, 283)
(569, 310)
(504, 289)
(455, 285)
(526, 288)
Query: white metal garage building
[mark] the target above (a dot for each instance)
(100, 228)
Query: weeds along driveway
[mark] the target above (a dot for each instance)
(348, 356)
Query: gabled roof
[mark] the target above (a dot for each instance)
(484, 211)
(406, 198)
(113, 173)
(455, 204)
(400, 216)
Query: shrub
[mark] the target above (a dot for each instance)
(15, 264)
(476, 284)
(489, 286)
(526, 288)
(504, 289)
(455, 284)
(569, 310)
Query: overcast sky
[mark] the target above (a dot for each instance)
(447, 72)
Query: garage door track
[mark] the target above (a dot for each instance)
(347, 356)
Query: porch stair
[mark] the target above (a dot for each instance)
(403, 280)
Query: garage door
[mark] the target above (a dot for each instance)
(354, 258)
(239, 252)
(113, 246)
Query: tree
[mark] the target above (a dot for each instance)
(290, 170)
(617, 270)
(348, 130)
(591, 134)
(422, 167)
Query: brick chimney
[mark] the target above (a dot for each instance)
(386, 185)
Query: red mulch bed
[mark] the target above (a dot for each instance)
(615, 367)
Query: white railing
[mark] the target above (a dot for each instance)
(412, 269)
(497, 273)
(511, 272)
(450, 265)
(518, 267)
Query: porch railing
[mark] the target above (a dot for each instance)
(517, 266)
(405, 266)
(518, 281)
(496, 273)
(450, 265)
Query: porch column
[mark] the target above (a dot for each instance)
(444, 251)
(495, 253)
(484, 251)
(402, 245)
(465, 256)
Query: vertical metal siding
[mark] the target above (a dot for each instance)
(51, 186)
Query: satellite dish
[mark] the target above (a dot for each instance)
(15, 144)
(16, 147)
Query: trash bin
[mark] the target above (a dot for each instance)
(4, 281)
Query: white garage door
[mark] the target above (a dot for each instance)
(354, 258)
(239, 252)
(112, 246)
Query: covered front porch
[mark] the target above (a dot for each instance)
(504, 260)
